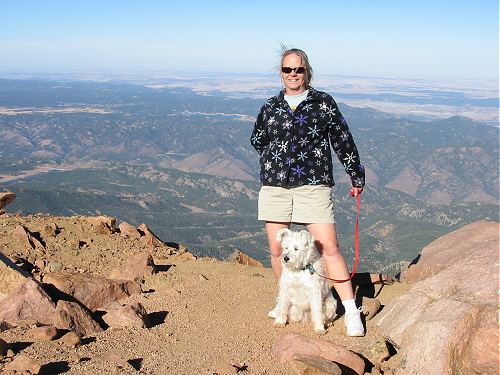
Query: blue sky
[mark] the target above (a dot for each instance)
(378, 38)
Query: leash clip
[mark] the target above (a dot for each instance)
(310, 268)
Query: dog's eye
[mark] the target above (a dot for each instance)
(295, 248)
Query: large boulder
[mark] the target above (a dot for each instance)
(148, 237)
(11, 276)
(91, 291)
(118, 315)
(28, 302)
(71, 316)
(135, 268)
(448, 323)
(27, 240)
(291, 345)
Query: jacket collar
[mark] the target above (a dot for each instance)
(312, 95)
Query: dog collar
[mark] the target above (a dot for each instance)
(308, 267)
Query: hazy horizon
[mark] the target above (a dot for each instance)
(440, 39)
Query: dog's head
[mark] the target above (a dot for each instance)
(297, 248)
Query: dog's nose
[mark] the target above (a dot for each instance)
(286, 259)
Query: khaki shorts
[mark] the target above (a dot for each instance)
(308, 204)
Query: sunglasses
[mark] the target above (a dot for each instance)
(298, 70)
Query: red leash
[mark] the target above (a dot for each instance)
(356, 246)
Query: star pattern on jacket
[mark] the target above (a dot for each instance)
(295, 146)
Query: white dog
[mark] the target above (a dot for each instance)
(303, 294)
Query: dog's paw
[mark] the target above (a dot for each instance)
(320, 331)
(278, 324)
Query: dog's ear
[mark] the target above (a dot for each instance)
(282, 234)
(306, 238)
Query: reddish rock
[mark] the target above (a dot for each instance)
(291, 344)
(27, 240)
(71, 339)
(371, 306)
(4, 326)
(241, 258)
(92, 291)
(135, 268)
(99, 221)
(119, 362)
(186, 255)
(442, 252)
(11, 276)
(45, 333)
(28, 301)
(23, 364)
(227, 370)
(310, 365)
(148, 237)
(6, 198)
(453, 306)
(118, 315)
(71, 316)
(129, 230)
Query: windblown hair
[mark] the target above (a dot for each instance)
(285, 51)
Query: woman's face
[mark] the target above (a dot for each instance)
(294, 83)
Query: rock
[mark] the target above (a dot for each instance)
(6, 198)
(442, 252)
(120, 363)
(378, 352)
(186, 255)
(3, 348)
(4, 326)
(45, 333)
(92, 291)
(311, 365)
(71, 316)
(54, 266)
(241, 258)
(23, 364)
(40, 264)
(227, 370)
(28, 301)
(453, 305)
(28, 240)
(106, 222)
(11, 276)
(371, 306)
(10, 353)
(50, 230)
(148, 237)
(128, 230)
(118, 315)
(71, 339)
(291, 344)
(135, 268)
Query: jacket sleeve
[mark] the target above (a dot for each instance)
(260, 139)
(343, 144)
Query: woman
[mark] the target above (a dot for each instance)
(294, 133)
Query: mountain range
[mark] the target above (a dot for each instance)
(183, 163)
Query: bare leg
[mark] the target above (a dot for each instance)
(275, 246)
(326, 241)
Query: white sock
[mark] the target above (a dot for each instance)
(349, 305)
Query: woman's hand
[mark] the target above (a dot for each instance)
(355, 191)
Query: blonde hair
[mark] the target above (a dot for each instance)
(285, 51)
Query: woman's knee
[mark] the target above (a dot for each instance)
(275, 250)
(329, 249)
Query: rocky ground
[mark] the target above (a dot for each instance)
(204, 316)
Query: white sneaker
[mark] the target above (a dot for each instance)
(352, 321)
